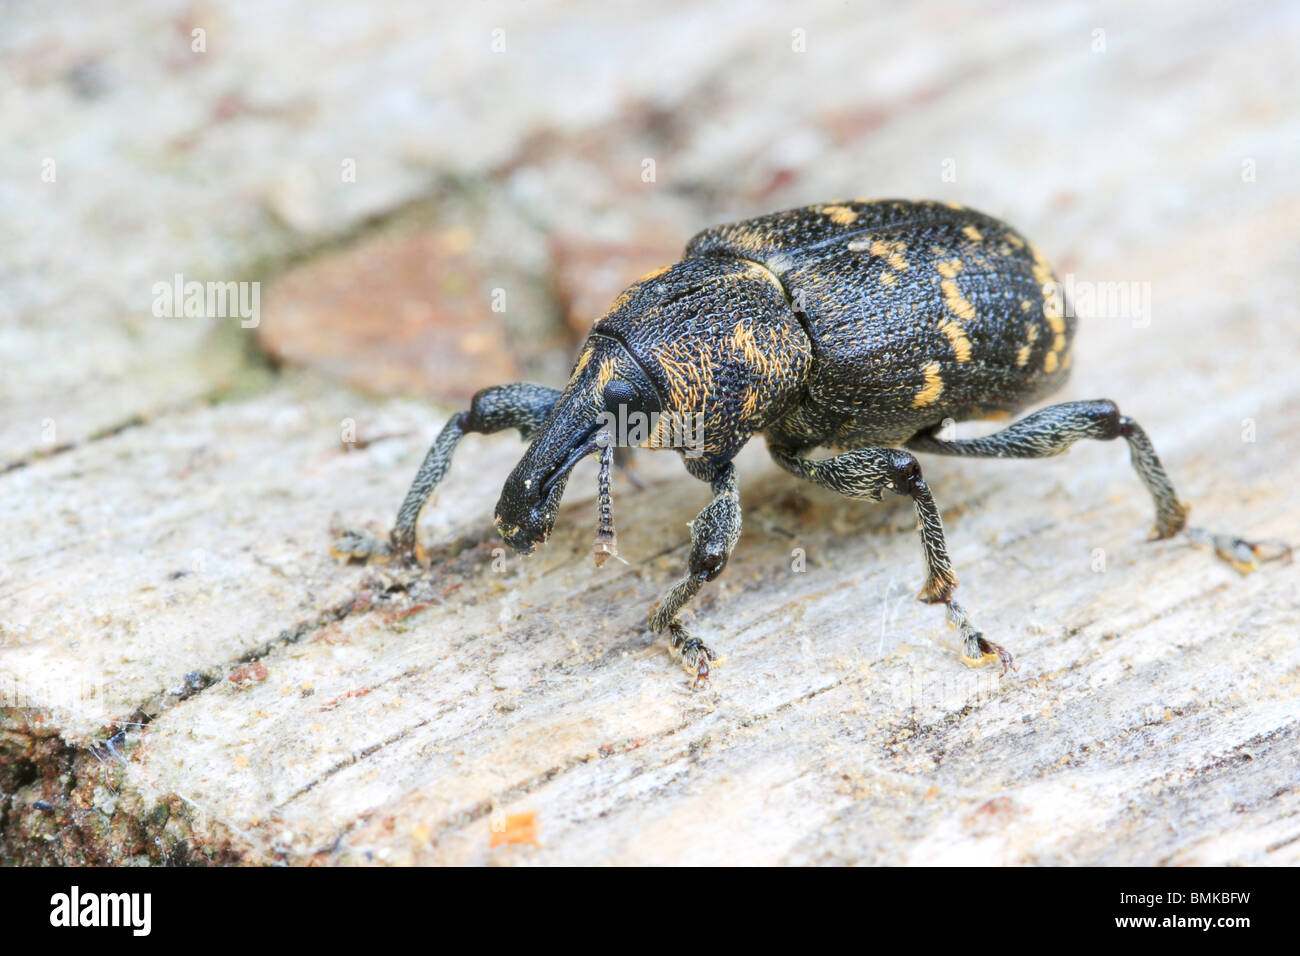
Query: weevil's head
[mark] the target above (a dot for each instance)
(695, 357)
(606, 385)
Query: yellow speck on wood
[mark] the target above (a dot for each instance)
(514, 828)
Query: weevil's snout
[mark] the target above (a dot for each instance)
(525, 513)
(605, 383)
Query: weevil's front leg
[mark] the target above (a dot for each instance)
(867, 473)
(714, 533)
(1052, 430)
(520, 406)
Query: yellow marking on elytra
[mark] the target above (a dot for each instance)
(1015, 240)
(955, 301)
(954, 205)
(889, 278)
(1031, 336)
(933, 387)
(840, 215)
(1043, 277)
(892, 251)
(749, 405)
(957, 336)
(950, 268)
(973, 234)
(1025, 305)
(1051, 309)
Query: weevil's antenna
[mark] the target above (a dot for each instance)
(606, 543)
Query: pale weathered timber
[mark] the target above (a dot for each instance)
(188, 674)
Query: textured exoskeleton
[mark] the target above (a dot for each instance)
(859, 326)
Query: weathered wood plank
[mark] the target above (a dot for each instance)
(393, 716)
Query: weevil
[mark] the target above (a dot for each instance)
(858, 326)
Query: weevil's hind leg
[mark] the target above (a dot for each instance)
(1245, 556)
(714, 533)
(520, 406)
(866, 474)
(1052, 430)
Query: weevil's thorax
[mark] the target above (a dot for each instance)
(722, 345)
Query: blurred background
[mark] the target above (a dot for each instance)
(437, 196)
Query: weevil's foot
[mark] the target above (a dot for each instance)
(1170, 521)
(361, 546)
(976, 650)
(1245, 556)
(695, 654)
(979, 652)
(365, 548)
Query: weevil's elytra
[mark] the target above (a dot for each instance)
(859, 326)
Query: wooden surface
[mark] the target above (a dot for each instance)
(188, 675)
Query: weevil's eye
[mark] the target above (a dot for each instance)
(619, 392)
(629, 393)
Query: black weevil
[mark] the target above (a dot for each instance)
(854, 325)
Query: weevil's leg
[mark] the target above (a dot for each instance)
(1052, 430)
(867, 473)
(520, 406)
(714, 533)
